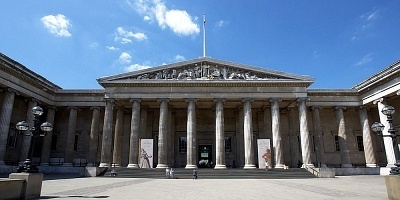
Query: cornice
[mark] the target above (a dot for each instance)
(332, 92)
(380, 78)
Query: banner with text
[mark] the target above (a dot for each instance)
(264, 153)
(146, 153)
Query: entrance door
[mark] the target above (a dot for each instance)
(205, 156)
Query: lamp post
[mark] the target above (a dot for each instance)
(37, 111)
(378, 128)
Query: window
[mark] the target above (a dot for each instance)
(76, 142)
(182, 144)
(54, 138)
(228, 144)
(360, 144)
(337, 146)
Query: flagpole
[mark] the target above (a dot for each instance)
(204, 35)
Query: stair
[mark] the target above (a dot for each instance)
(181, 173)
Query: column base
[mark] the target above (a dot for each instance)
(279, 166)
(390, 165)
(371, 165)
(104, 165)
(133, 166)
(347, 166)
(220, 167)
(307, 165)
(161, 166)
(249, 166)
(191, 167)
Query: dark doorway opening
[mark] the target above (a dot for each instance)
(205, 156)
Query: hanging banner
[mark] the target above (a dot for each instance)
(264, 153)
(146, 153)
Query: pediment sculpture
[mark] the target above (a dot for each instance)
(205, 72)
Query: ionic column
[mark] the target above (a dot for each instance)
(134, 139)
(276, 133)
(304, 136)
(293, 137)
(163, 134)
(26, 140)
(319, 141)
(342, 135)
(119, 125)
(45, 156)
(219, 134)
(191, 159)
(370, 158)
(94, 136)
(106, 144)
(248, 135)
(388, 142)
(5, 119)
(69, 148)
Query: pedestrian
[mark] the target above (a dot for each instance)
(167, 171)
(171, 172)
(194, 174)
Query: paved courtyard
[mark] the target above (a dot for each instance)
(344, 187)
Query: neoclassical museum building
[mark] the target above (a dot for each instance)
(199, 113)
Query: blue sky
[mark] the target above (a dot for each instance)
(72, 43)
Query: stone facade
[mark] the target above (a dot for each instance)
(194, 105)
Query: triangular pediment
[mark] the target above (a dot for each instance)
(205, 69)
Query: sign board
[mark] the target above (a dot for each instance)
(264, 153)
(146, 153)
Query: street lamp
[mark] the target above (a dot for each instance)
(378, 128)
(28, 166)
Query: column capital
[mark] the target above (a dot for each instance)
(312, 108)
(162, 99)
(73, 108)
(247, 99)
(300, 99)
(383, 100)
(220, 99)
(95, 108)
(339, 108)
(191, 99)
(33, 100)
(108, 99)
(135, 99)
(275, 99)
(362, 108)
(398, 92)
(10, 90)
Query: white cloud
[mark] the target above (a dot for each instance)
(179, 58)
(222, 23)
(367, 23)
(124, 36)
(112, 48)
(57, 25)
(125, 58)
(135, 67)
(364, 60)
(179, 21)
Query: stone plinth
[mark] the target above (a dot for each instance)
(393, 186)
(33, 184)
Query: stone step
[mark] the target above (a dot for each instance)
(180, 173)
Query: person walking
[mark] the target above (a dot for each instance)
(194, 174)
(171, 173)
(167, 171)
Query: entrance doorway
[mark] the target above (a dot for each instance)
(205, 156)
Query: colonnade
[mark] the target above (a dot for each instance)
(109, 155)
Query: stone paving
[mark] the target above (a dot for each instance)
(343, 187)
